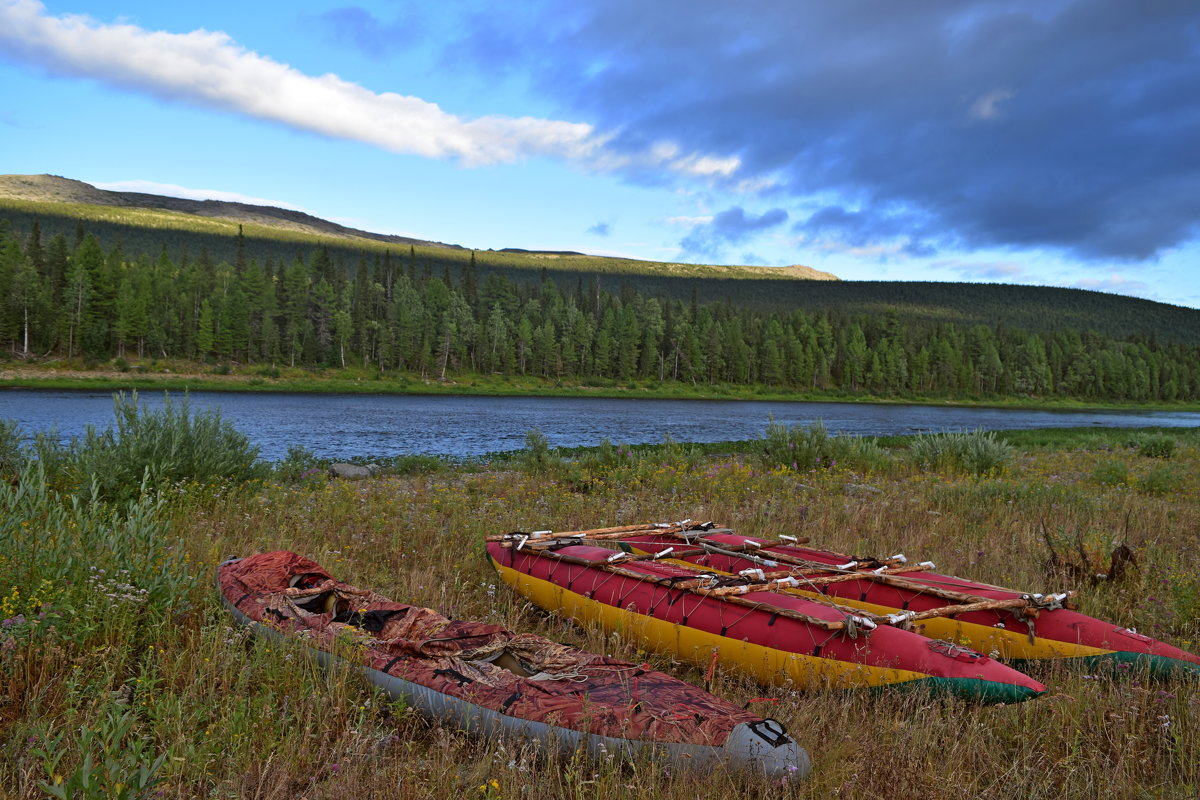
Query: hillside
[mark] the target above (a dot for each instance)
(55, 197)
(57, 190)
(186, 229)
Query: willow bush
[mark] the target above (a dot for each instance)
(147, 449)
(973, 452)
(803, 448)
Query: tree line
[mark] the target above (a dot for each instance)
(77, 297)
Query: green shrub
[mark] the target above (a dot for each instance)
(117, 764)
(859, 452)
(90, 570)
(929, 451)
(11, 455)
(1111, 473)
(300, 464)
(1157, 445)
(536, 458)
(796, 447)
(155, 448)
(606, 456)
(975, 452)
(984, 454)
(1160, 480)
(56, 459)
(674, 452)
(811, 447)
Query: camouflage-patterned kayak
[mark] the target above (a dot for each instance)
(489, 680)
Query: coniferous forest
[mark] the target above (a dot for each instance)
(404, 312)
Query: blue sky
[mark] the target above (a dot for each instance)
(1050, 142)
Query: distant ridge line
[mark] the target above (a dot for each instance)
(57, 189)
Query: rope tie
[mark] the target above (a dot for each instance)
(1046, 602)
(855, 625)
(901, 619)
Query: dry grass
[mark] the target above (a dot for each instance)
(240, 719)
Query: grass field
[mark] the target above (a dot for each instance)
(114, 645)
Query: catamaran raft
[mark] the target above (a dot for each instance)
(781, 612)
(750, 622)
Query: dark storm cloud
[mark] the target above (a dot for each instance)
(365, 32)
(1067, 124)
(731, 226)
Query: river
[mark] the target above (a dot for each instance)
(343, 426)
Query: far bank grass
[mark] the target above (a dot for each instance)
(192, 376)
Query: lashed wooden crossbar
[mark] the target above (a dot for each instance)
(619, 532)
(696, 586)
(801, 574)
(890, 576)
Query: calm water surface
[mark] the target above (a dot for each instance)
(342, 426)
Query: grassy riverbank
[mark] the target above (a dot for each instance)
(179, 376)
(131, 633)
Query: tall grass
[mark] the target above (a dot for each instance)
(231, 717)
(86, 589)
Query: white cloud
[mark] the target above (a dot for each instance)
(755, 185)
(880, 250)
(990, 270)
(689, 222)
(988, 106)
(208, 68)
(1113, 283)
(706, 166)
(172, 190)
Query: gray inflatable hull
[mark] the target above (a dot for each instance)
(745, 749)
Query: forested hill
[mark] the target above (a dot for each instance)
(1036, 308)
(146, 223)
(440, 313)
(152, 231)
